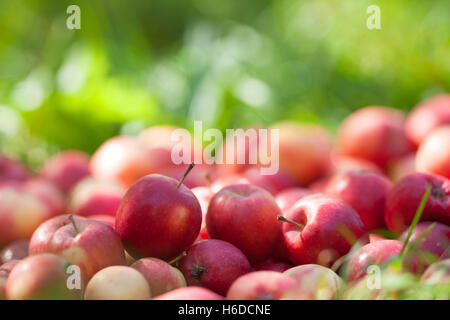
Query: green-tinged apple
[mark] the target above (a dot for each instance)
(118, 283)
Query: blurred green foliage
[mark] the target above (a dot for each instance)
(229, 63)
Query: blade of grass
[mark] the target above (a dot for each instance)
(422, 235)
(416, 218)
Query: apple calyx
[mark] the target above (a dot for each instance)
(185, 174)
(283, 219)
(437, 193)
(197, 271)
(74, 224)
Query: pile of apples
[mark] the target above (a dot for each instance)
(138, 226)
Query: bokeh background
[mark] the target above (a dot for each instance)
(229, 63)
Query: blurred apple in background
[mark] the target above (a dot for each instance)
(5, 270)
(304, 151)
(438, 274)
(261, 285)
(364, 191)
(319, 185)
(95, 197)
(288, 197)
(11, 170)
(109, 220)
(190, 293)
(272, 265)
(16, 250)
(89, 244)
(20, 214)
(343, 164)
(121, 159)
(405, 197)
(433, 155)
(118, 283)
(66, 169)
(228, 180)
(315, 282)
(427, 116)
(374, 133)
(243, 156)
(274, 183)
(40, 277)
(50, 195)
(160, 275)
(402, 167)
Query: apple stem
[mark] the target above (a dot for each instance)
(74, 224)
(298, 225)
(175, 260)
(185, 174)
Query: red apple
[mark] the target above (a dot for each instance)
(272, 265)
(20, 214)
(40, 277)
(261, 285)
(190, 293)
(204, 196)
(433, 155)
(158, 217)
(11, 170)
(245, 216)
(288, 197)
(404, 199)
(426, 248)
(95, 197)
(375, 253)
(5, 270)
(375, 134)
(89, 244)
(428, 115)
(304, 151)
(118, 283)
(365, 192)
(315, 282)
(122, 159)
(214, 264)
(160, 275)
(319, 229)
(16, 250)
(65, 169)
